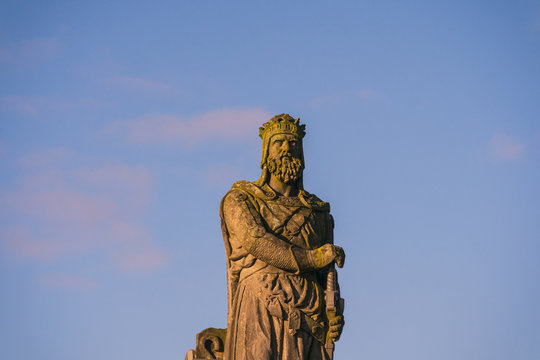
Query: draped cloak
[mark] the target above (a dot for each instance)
(273, 313)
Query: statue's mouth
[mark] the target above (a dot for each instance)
(286, 155)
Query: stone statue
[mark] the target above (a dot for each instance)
(283, 295)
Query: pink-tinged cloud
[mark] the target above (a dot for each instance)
(47, 157)
(136, 182)
(63, 205)
(67, 281)
(34, 105)
(137, 250)
(21, 105)
(118, 176)
(223, 125)
(142, 259)
(506, 147)
(129, 235)
(141, 85)
(83, 195)
(51, 242)
(72, 213)
(31, 51)
(21, 242)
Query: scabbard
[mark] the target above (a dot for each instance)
(329, 347)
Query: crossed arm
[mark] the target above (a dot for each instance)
(245, 224)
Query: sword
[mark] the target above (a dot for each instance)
(333, 301)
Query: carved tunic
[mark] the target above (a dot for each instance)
(276, 309)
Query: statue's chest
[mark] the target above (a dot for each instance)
(293, 222)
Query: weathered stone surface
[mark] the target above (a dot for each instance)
(283, 294)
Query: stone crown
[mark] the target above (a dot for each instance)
(282, 124)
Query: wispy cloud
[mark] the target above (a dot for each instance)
(23, 105)
(224, 125)
(140, 255)
(61, 213)
(47, 157)
(142, 85)
(34, 105)
(67, 281)
(506, 147)
(20, 241)
(143, 259)
(62, 205)
(31, 51)
(135, 181)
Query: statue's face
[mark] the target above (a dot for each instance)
(285, 157)
(285, 144)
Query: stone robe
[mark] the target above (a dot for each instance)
(276, 311)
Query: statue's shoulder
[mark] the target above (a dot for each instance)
(237, 191)
(244, 190)
(235, 197)
(245, 186)
(253, 190)
(315, 202)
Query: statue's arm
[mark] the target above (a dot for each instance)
(245, 224)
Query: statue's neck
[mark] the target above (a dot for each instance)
(282, 188)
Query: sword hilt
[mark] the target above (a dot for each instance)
(331, 290)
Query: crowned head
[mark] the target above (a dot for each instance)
(282, 153)
(280, 124)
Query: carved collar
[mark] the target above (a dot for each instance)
(266, 193)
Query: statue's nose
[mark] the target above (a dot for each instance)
(285, 146)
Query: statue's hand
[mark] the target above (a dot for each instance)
(336, 327)
(340, 256)
(325, 255)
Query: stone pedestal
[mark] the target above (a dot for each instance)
(210, 345)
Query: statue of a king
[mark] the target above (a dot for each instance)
(280, 258)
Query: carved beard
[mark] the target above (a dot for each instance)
(285, 167)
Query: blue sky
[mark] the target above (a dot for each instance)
(123, 124)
